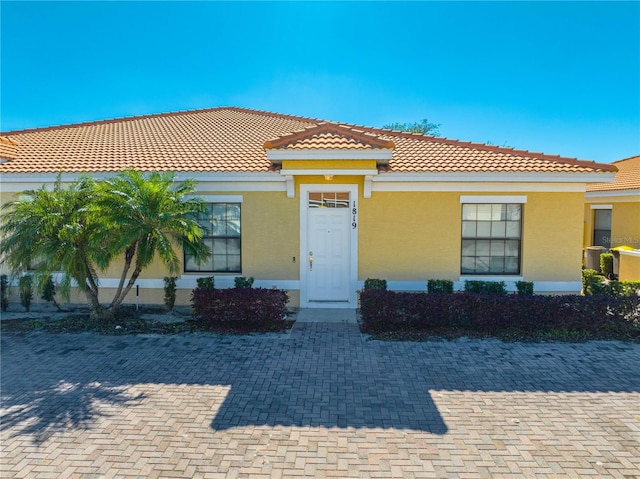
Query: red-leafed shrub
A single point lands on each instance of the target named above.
(385, 311)
(256, 309)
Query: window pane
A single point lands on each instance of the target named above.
(468, 229)
(497, 248)
(468, 265)
(484, 212)
(498, 229)
(511, 266)
(514, 212)
(315, 200)
(513, 229)
(602, 238)
(219, 246)
(497, 265)
(233, 212)
(602, 220)
(498, 212)
(342, 200)
(233, 247)
(233, 228)
(482, 264)
(469, 212)
(219, 211)
(468, 247)
(220, 262)
(512, 248)
(484, 229)
(233, 263)
(483, 247)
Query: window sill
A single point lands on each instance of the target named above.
(490, 277)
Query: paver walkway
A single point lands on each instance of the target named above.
(321, 401)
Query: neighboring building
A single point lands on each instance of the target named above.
(612, 215)
(317, 207)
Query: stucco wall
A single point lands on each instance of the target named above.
(417, 236)
(629, 266)
(403, 236)
(625, 220)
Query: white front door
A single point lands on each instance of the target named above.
(328, 254)
(328, 240)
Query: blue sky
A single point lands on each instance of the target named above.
(556, 77)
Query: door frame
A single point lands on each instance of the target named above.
(305, 189)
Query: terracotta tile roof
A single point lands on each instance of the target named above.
(8, 148)
(230, 139)
(627, 177)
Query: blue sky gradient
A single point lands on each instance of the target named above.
(555, 77)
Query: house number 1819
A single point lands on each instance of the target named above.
(354, 211)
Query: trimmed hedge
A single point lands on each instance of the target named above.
(524, 287)
(384, 311)
(439, 286)
(595, 284)
(241, 308)
(485, 287)
(375, 283)
(243, 282)
(606, 265)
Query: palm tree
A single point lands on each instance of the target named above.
(85, 227)
(51, 231)
(149, 216)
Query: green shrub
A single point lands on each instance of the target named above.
(631, 288)
(606, 265)
(206, 283)
(170, 292)
(485, 287)
(524, 287)
(4, 296)
(242, 282)
(591, 282)
(25, 288)
(374, 283)
(617, 288)
(439, 286)
(49, 292)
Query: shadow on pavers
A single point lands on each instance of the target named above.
(323, 374)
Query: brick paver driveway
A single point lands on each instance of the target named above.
(320, 402)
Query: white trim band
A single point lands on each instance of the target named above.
(479, 199)
(334, 172)
(379, 154)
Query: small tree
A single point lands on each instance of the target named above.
(49, 292)
(170, 292)
(25, 288)
(4, 293)
(56, 231)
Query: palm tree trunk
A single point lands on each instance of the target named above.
(128, 257)
(97, 311)
(118, 299)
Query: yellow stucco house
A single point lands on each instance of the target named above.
(316, 207)
(612, 216)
